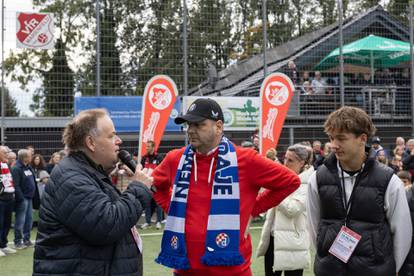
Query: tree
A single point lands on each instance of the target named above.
(10, 105)
(280, 29)
(299, 10)
(399, 8)
(248, 37)
(110, 64)
(150, 36)
(58, 85)
(54, 98)
(366, 4)
(329, 11)
(210, 39)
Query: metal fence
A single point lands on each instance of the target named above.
(111, 47)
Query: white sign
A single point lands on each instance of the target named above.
(240, 113)
(35, 30)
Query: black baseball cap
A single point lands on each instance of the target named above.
(200, 110)
(375, 140)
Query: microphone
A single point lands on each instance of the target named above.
(126, 158)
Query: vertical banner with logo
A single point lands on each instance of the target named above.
(276, 93)
(35, 30)
(159, 97)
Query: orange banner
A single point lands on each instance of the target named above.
(276, 94)
(159, 97)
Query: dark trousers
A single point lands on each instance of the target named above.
(268, 263)
(149, 210)
(6, 210)
(24, 221)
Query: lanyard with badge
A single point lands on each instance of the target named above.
(347, 240)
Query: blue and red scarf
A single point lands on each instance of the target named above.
(223, 229)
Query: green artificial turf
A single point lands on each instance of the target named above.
(21, 263)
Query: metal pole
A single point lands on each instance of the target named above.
(412, 68)
(264, 13)
(341, 55)
(291, 136)
(3, 96)
(185, 53)
(98, 49)
(371, 57)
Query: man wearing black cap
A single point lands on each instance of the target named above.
(376, 144)
(211, 190)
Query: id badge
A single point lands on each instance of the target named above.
(137, 238)
(345, 243)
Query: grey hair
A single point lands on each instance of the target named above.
(22, 154)
(304, 153)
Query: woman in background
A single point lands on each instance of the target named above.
(54, 160)
(38, 164)
(285, 241)
(272, 155)
(327, 149)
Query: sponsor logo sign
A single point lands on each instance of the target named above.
(240, 113)
(35, 30)
(159, 98)
(276, 94)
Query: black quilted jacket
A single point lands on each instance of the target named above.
(85, 223)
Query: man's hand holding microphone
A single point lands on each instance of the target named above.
(136, 173)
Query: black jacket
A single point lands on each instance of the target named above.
(408, 163)
(374, 252)
(85, 223)
(24, 183)
(151, 161)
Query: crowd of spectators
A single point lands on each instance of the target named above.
(387, 89)
(25, 175)
(399, 157)
(30, 172)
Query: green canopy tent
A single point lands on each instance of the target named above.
(371, 51)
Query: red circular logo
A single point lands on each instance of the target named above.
(277, 93)
(160, 96)
(42, 38)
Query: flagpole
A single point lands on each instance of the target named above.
(264, 28)
(185, 49)
(372, 67)
(98, 48)
(3, 96)
(341, 55)
(412, 67)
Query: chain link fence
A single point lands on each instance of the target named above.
(209, 47)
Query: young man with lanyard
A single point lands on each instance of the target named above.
(357, 208)
(211, 190)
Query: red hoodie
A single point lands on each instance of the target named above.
(255, 172)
